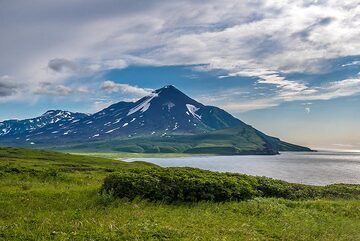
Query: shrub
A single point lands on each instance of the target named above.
(193, 185)
(177, 184)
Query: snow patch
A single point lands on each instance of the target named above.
(192, 109)
(117, 121)
(176, 126)
(169, 105)
(112, 130)
(143, 106)
(125, 124)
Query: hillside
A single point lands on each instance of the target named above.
(240, 140)
(53, 196)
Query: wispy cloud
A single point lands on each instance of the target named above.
(351, 63)
(330, 90)
(263, 39)
(286, 91)
(249, 105)
(343, 145)
(238, 100)
(59, 90)
(111, 86)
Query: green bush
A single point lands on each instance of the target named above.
(192, 185)
(177, 184)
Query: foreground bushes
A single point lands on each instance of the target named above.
(191, 185)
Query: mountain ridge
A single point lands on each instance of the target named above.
(165, 113)
(15, 126)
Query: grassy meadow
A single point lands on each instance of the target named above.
(54, 196)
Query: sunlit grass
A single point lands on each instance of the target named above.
(47, 196)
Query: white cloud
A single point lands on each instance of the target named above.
(351, 63)
(111, 86)
(241, 101)
(263, 39)
(331, 90)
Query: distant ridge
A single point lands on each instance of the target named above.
(17, 128)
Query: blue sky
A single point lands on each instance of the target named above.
(289, 68)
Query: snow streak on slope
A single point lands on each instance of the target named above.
(192, 109)
(143, 106)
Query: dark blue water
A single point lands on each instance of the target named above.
(316, 168)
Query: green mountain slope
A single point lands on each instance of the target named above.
(238, 140)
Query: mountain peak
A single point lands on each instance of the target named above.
(167, 88)
(171, 93)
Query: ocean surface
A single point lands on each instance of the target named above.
(315, 168)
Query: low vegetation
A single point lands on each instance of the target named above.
(193, 185)
(53, 196)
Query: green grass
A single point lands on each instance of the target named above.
(54, 196)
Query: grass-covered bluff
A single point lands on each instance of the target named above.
(53, 196)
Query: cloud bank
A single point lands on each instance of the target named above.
(46, 42)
